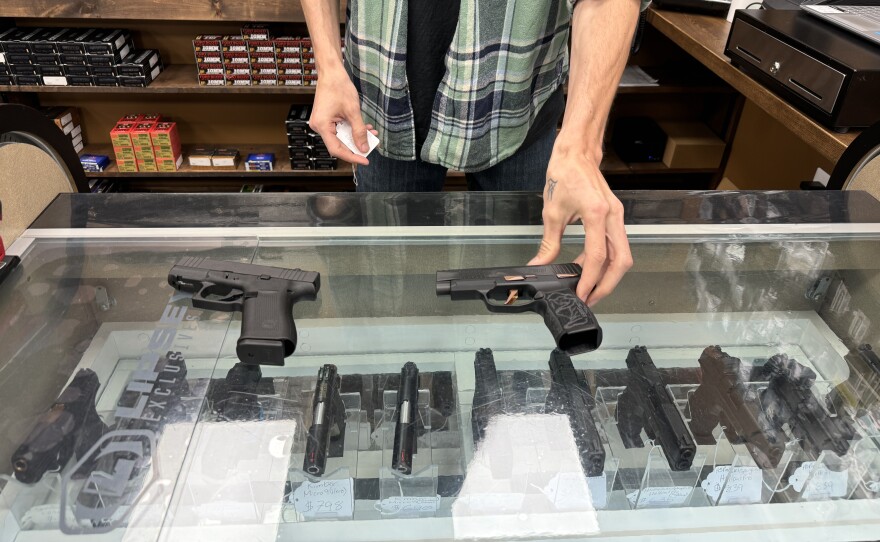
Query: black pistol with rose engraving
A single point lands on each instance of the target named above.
(548, 290)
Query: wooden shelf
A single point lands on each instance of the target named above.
(268, 11)
(704, 37)
(183, 79)
(176, 79)
(282, 167)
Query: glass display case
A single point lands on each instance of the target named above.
(736, 391)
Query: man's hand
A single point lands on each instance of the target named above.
(575, 190)
(336, 99)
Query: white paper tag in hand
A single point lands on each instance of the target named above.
(343, 132)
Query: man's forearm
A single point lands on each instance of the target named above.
(322, 18)
(602, 32)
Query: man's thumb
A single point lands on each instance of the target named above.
(359, 133)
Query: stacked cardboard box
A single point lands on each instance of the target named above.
(306, 148)
(255, 58)
(146, 143)
(75, 57)
(68, 120)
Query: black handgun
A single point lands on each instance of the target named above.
(545, 289)
(407, 416)
(645, 404)
(722, 396)
(236, 397)
(789, 400)
(442, 393)
(70, 427)
(570, 395)
(328, 421)
(488, 397)
(264, 295)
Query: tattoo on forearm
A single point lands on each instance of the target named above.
(551, 186)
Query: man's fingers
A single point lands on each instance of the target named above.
(550, 243)
(337, 148)
(620, 258)
(358, 130)
(595, 253)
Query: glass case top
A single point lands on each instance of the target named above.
(736, 389)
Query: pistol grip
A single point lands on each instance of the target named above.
(571, 322)
(268, 334)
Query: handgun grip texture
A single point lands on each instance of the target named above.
(268, 334)
(571, 322)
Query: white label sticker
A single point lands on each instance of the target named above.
(153, 60)
(823, 483)
(77, 140)
(76, 131)
(156, 71)
(55, 81)
(119, 41)
(223, 161)
(324, 499)
(409, 505)
(78, 148)
(66, 118)
(2, 58)
(124, 52)
(744, 486)
(660, 497)
(343, 132)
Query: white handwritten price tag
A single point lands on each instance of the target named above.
(409, 505)
(660, 497)
(325, 499)
(823, 484)
(744, 486)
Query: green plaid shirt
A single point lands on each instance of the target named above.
(506, 59)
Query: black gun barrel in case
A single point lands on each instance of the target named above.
(827, 72)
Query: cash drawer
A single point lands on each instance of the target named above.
(808, 77)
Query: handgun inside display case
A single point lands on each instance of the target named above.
(735, 388)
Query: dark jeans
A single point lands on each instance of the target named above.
(525, 170)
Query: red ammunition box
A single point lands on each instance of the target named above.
(207, 43)
(126, 166)
(211, 80)
(310, 80)
(147, 164)
(309, 69)
(131, 117)
(308, 58)
(234, 44)
(306, 45)
(166, 140)
(262, 58)
(169, 164)
(125, 154)
(238, 80)
(293, 69)
(151, 117)
(120, 135)
(287, 45)
(236, 58)
(238, 69)
(264, 80)
(290, 80)
(256, 31)
(261, 46)
(264, 69)
(287, 58)
(140, 137)
(209, 57)
(211, 69)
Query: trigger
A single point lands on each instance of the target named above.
(512, 296)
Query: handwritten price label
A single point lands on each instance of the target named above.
(660, 497)
(823, 482)
(325, 499)
(744, 486)
(409, 505)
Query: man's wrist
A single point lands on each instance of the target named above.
(569, 144)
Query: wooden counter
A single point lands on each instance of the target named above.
(704, 37)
